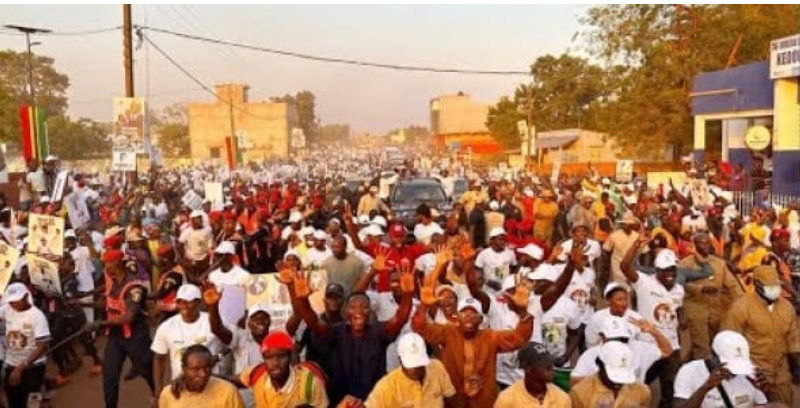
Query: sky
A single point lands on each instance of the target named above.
(373, 100)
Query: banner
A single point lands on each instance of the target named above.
(129, 119)
(214, 193)
(44, 274)
(33, 123)
(8, 259)
(45, 235)
(123, 159)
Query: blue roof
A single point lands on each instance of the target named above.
(742, 88)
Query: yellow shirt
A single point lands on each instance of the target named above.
(218, 393)
(516, 396)
(591, 393)
(293, 393)
(395, 390)
(751, 258)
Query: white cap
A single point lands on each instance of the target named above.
(45, 199)
(379, 221)
(306, 231)
(615, 327)
(70, 233)
(733, 351)
(364, 219)
(494, 206)
(51, 158)
(320, 235)
(665, 259)
(436, 229)
(496, 232)
(445, 287)
(196, 213)
(618, 360)
(614, 286)
(606, 180)
(532, 250)
(528, 192)
(509, 282)
(15, 292)
(295, 217)
(470, 302)
(188, 292)
(412, 352)
(373, 230)
(258, 307)
(225, 247)
(545, 272)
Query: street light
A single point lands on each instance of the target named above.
(28, 31)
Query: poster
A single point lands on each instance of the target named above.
(192, 200)
(59, 186)
(624, 171)
(700, 193)
(76, 210)
(656, 180)
(44, 274)
(317, 282)
(232, 304)
(266, 290)
(123, 159)
(45, 235)
(214, 193)
(129, 118)
(8, 259)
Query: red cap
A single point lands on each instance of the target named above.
(277, 340)
(398, 230)
(779, 233)
(114, 241)
(250, 201)
(214, 216)
(164, 249)
(113, 255)
(229, 216)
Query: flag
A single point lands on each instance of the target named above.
(230, 150)
(35, 144)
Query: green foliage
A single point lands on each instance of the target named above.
(76, 140)
(304, 103)
(502, 122)
(171, 125)
(334, 132)
(50, 86)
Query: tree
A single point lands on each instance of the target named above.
(50, 86)
(417, 134)
(304, 103)
(334, 132)
(655, 51)
(75, 140)
(171, 125)
(502, 122)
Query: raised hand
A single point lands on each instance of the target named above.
(286, 273)
(302, 289)
(443, 255)
(407, 283)
(576, 255)
(381, 255)
(211, 295)
(521, 293)
(643, 325)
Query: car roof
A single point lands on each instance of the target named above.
(420, 180)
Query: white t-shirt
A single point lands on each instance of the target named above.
(246, 350)
(740, 391)
(423, 233)
(580, 291)
(23, 330)
(316, 257)
(36, 180)
(495, 265)
(644, 356)
(659, 306)
(385, 308)
(234, 277)
(174, 336)
(595, 326)
(83, 268)
(198, 243)
(550, 327)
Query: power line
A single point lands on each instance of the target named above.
(333, 59)
(68, 33)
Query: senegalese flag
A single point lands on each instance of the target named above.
(35, 144)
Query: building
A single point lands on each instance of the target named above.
(262, 128)
(575, 145)
(459, 124)
(758, 106)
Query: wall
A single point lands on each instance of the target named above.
(786, 138)
(589, 146)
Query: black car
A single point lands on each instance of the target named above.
(408, 194)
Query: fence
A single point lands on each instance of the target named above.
(746, 200)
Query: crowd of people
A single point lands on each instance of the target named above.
(581, 291)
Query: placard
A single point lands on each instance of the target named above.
(232, 303)
(123, 160)
(624, 171)
(700, 193)
(45, 235)
(8, 259)
(556, 173)
(317, 282)
(265, 289)
(76, 210)
(192, 200)
(59, 186)
(214, 193)
(44, 274)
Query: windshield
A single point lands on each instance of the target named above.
(418, 193)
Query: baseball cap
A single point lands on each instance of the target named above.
(613, 287)
(295, 217)
(615, 327)
(532, 250)
(257, 308)
(544, 272)
(397, 230)
(436, 229)
(306, 231)
(225, 247)
(442, 288)
(618, 360)
(70, 233)
(113, 255)
(334, 288)
(363, 220)
(188, 292)
(320, 235)
(496, 232)
(45, 199)
(196, 213)
(470, 303)
(373, 230)
(379, 221)
(665, 259)
(766, 275)
(15, 292)
(412, 352)
(51, 158)
(629, 218)
(534, 355)
(494, 206)
(277, 340)
(733, 351)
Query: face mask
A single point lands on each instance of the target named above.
(772, 292)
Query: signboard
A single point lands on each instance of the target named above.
(757, 138)
(8, 259)
(59, 185)
(624, 171)
(214, 193)
(784, 57)
(123, 159)
(129, 118)
(44, 274)
(45, 235)
(556, 172)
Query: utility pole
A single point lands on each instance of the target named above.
(28, 31)
(127, 44)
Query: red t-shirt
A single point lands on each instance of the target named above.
(393, 259)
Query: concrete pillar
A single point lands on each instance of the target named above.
(733, 131)
(786, 138)
(699, 138)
